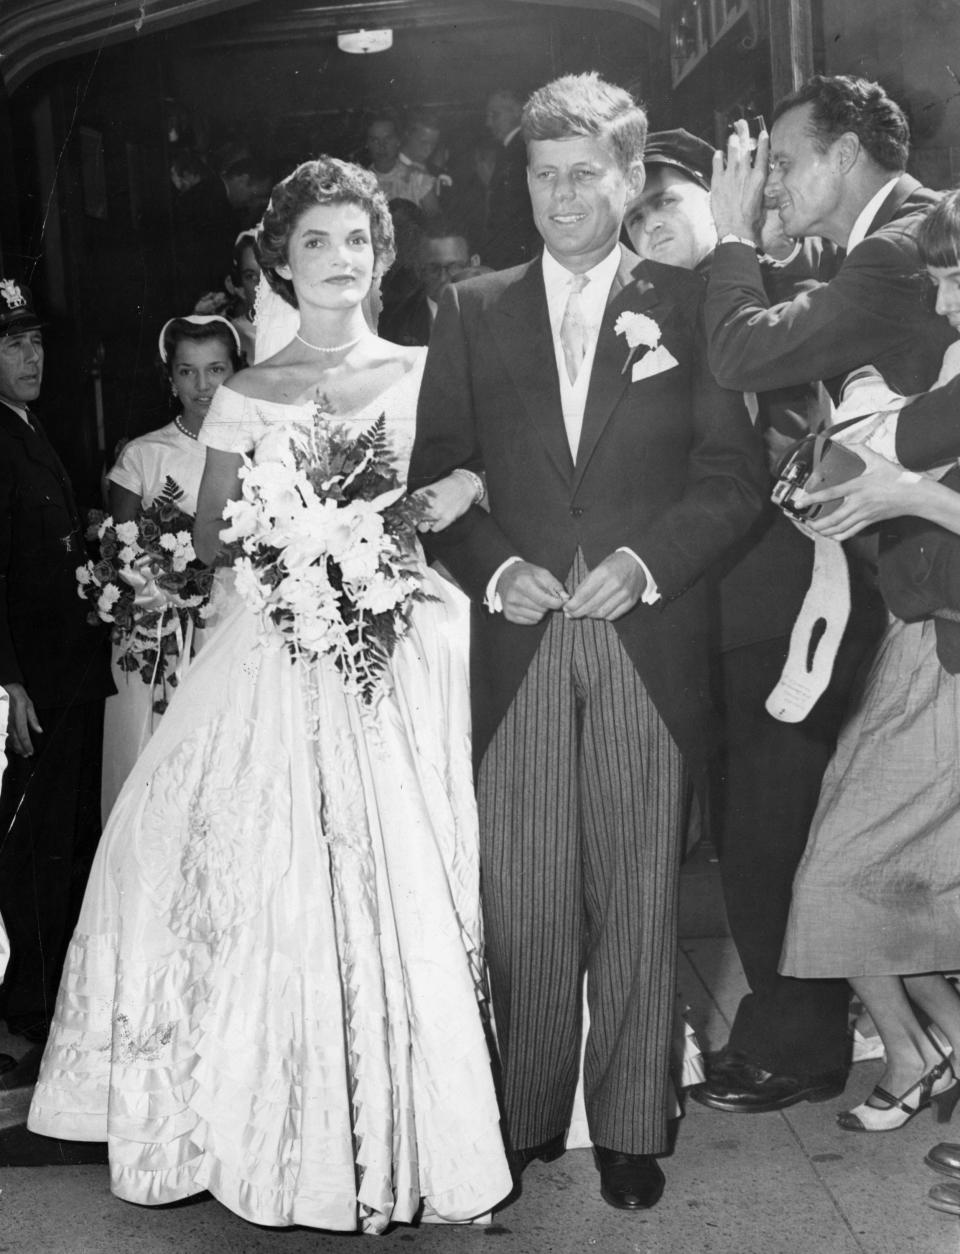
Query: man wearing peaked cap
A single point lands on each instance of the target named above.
(671, 217)
(681, 150)
(54, 667)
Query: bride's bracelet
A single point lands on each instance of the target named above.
(479, 487)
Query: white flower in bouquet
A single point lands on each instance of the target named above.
(381, 593)
(362, 531)
(276, 446)
(107, 600)
(244, 518)
(360, 564)
(323, 542)
(127, 532)
(280, 486)
(248, 585)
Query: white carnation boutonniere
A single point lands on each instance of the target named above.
(639, 330)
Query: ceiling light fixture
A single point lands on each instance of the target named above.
(362, 41)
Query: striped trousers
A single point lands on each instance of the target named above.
(583, 800)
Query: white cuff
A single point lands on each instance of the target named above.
(491, 597)
(651, 593)
(777, 263)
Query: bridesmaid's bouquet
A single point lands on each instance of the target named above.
(150, 587)
(322, 542)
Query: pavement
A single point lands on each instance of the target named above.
(785, 1183)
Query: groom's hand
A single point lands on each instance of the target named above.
(527, 592)
(610, 590)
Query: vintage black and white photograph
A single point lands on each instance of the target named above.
(480, 626)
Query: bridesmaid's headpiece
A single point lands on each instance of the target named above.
(198, 320)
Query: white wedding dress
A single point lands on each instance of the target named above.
(273, 989)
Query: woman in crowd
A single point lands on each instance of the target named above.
(198, 353)
(877, 896)
(273, 989)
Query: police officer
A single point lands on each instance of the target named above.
(54, 667)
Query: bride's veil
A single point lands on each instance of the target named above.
(275, 321)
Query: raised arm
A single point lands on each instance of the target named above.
(827, 330)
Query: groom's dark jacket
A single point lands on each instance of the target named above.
(668, 465)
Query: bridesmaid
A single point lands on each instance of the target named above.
(198, 353)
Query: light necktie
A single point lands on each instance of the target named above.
(573, 330)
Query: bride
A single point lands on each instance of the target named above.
(272, 992)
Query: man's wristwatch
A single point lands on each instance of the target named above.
(731, 238)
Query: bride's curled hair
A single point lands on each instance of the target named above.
(325, 181)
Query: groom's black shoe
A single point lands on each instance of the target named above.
(628, 1181)
(547, 1151)
(740, 1087)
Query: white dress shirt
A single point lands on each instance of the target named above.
(593, 302)
(868, 213)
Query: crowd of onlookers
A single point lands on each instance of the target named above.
(458, 208)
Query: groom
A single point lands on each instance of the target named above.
(616, 472)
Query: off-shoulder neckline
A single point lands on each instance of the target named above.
(410, 378)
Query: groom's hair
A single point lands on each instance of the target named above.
(584, 104)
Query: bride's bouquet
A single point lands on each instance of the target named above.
(150, 587)
(322, 544)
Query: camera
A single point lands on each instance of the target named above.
(756, 127)
(814, 462)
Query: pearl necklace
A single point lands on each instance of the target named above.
(181, 428)
(332, 348)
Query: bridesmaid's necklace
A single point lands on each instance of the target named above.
(332, 348)
(185, 430)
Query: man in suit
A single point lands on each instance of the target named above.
(616, 473)
(837, 151)
(444, 256)
(510, 236)
(768, 774)
(55, 669)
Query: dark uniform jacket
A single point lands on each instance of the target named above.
(46, 643)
